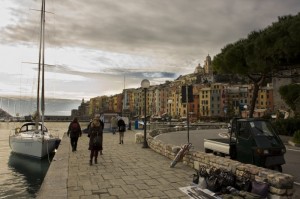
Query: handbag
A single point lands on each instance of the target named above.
(260, 188)
(203, 171)
(244, 184)
(226, 178)
(196, 178)
(212, 183)
(96, 141)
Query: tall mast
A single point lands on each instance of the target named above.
(43, 68)
(41, 63)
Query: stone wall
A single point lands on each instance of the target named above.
(280, 184)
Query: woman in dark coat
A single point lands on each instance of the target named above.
(122, 129)
(74, 132)
(95, 130)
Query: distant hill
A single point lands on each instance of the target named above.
(4, 114)
(27, 106)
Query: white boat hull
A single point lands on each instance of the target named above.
(36, 146)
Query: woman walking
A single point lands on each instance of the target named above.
(96, 138)
(122, 129)
(74, 132)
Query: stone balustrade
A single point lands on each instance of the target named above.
(280, 184)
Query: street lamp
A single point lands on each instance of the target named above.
(145, 85)
(170, 104)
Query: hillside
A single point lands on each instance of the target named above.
(4, 114)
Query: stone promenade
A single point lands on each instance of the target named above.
(123, 171)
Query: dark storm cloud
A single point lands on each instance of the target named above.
(131, 73)
(174, 28)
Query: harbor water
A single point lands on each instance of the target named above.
(21, 176)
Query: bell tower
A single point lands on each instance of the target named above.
(207, 65)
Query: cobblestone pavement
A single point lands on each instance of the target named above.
(123, 171)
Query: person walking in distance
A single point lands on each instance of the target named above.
(122, 129)
(114, 124)
(102, 125)
(96, 137)
(74, 132)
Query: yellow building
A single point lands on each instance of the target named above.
(205, 102)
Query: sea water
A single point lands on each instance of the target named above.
(21, 176)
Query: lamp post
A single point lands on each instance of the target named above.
(145, 85)
(170, 104)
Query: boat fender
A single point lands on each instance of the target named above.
(17, 130)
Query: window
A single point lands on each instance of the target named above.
(244, 131)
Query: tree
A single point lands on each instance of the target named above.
(290, 93)
(263, 54)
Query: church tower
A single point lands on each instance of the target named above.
(207, 65)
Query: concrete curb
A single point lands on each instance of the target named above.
(290, 142)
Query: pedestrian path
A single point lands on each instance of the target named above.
(123, 171)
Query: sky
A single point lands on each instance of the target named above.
(100, 47)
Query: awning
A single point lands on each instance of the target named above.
(260, 110)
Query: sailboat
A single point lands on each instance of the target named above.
(33, 138)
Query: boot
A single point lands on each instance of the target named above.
(91, 162)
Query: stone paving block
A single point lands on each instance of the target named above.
(91, 187)
(90, 197)
(108, 176)
(75, 193)
(142, 194)
(162, 181)
(141, 186)
(116, 191)
(151, 182)
(116, 182)
(174, 193)
(143, 177)
(129, 188)
(164, 187)
(156, 192)
(105, 184)
(108, 197)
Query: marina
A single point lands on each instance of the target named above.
(21, 176)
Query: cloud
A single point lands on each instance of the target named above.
(158, 27)
(104, 40)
